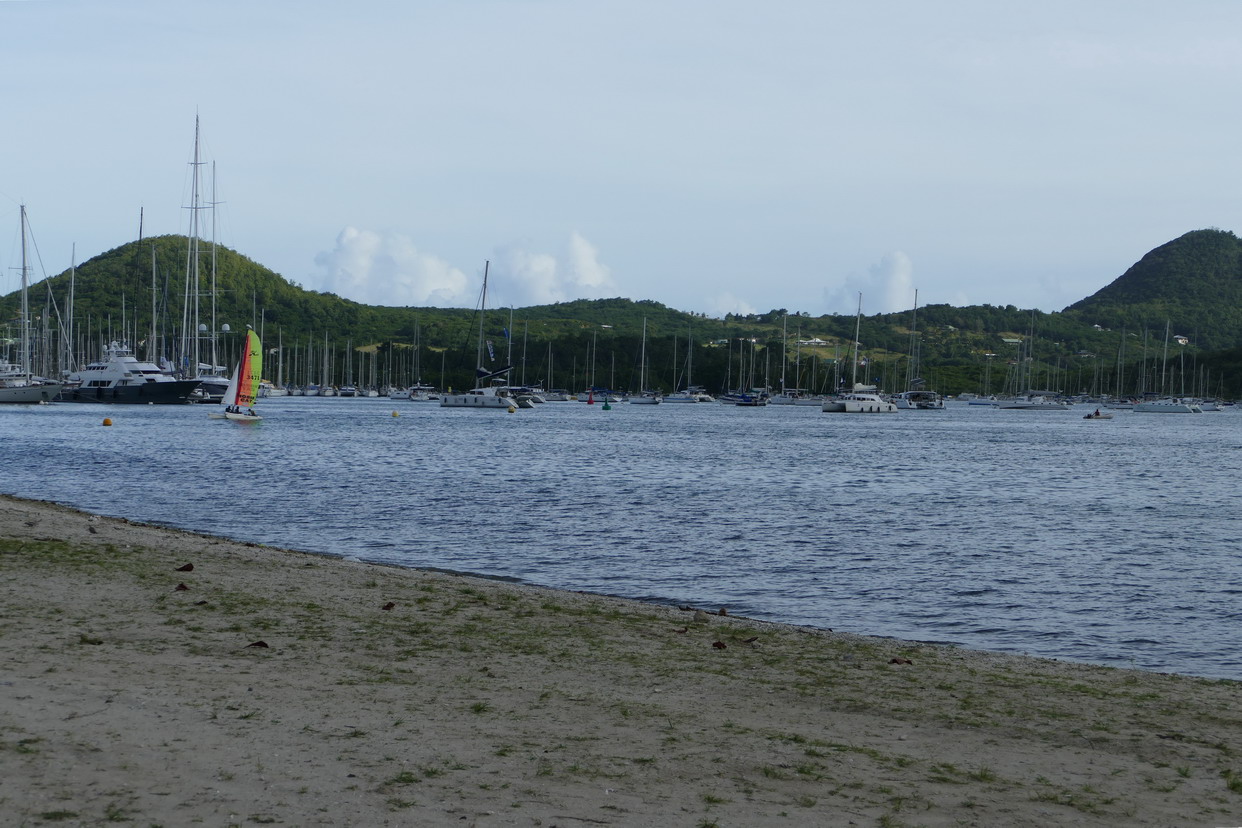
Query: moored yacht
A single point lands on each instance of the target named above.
(491, 396)
(919, 401)
(120, 378)
(17, 383)
(862, 400)
(18, 386)
(692, 394)
(1168, 405)
(497, 393)
(1034, 401)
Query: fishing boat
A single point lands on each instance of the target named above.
(496, 393)
(243, 391)
(17, 383)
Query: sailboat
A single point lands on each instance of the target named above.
(916, 397)
(691, 393)
(644, 397)
(243, 390)
(483, 396)
(17, 383)
(863, 399)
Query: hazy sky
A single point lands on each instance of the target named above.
(712, 155)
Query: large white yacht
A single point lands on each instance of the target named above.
(120, 378)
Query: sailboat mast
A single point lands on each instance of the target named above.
(24, 322)
(70, 362)
(784, 350)
(642, 361)
(194, 280)
(215, 359)
(857, 331)
(152, 347)
(912, 367)
(482, 312)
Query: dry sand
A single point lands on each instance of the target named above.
(134, 692)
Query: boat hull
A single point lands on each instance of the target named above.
(478, 401)
(29, 394)
(234, 416)
(173, 392)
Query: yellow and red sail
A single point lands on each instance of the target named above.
(249, 371)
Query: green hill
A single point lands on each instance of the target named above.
(1194, 282)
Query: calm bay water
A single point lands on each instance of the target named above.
(1111, 542)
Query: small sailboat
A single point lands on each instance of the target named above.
(243, 391)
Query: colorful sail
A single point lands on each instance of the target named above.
(249, 371)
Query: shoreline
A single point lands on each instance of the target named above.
(387, 695)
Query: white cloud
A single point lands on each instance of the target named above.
(726, 302)
(386, 268)
(532, 278)
(887, 287)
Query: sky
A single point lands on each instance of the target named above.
(716, 156)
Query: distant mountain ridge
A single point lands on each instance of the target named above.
(1193, 282)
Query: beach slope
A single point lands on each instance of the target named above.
(159, 677)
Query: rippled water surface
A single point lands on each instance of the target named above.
(1113, 542)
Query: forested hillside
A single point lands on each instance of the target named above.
(1192, 286)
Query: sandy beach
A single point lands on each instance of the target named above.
(160, 677)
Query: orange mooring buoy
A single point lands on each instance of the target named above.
(107, 421)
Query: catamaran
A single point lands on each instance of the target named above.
(243, 391)
(494, 395)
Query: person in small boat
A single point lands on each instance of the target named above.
(1097, 413)
(250, 411)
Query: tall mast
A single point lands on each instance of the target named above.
(190, 326)
(24, 322)
(642, 361)
(857, 331)
(70, 362)
(482, 311)
(784, 348)
(912, 367)
(214, 357)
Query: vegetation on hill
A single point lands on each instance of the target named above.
(1113, 341)
(1194, 283)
